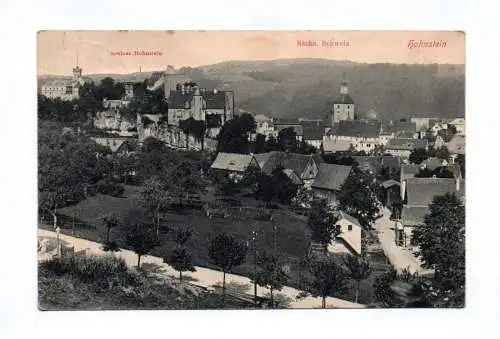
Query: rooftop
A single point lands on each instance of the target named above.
(406, 144)
(331, 177)
(232, 162)
(421, 191)
(356, 128)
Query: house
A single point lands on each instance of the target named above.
(409, 171)
(392, 192)
(304, 166)
(390, 162)
(418, 194)
(421, 124)
(116, 145)
(404, 147)
(401, 129)
(295, 124)
(438, 142)
(437, 125)
(372, 164)
(188, 100)
(363, 135)
(233, 163)
(114, 104)
(313, 135)
(457, 144)
(329, 180)
(335, 145)
(264, 125)
(349, 239)
(432, 163)
(459, 124)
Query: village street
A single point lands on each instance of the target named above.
(203, 277)
(399, 257)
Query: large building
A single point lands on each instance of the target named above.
(343, 107)
(64, 89)
(188, 100)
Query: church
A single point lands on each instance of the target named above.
(343, 107)
(66, 90)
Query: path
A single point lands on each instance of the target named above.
(204, 277)
(398, 256)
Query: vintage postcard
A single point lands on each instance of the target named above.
(251, 169)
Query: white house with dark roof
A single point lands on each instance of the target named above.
(233, 162)
(349, 239)
(361, 134)
(403, 147)
(329, 180)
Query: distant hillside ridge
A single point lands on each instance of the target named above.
(306, 87)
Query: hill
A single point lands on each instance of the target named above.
(306, 87)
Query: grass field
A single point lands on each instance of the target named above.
(292, 233)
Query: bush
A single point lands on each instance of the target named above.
(111, 246)
(109, 187)
(102, 271)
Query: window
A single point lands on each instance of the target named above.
(349, 227)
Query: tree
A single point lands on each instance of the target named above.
(140, 237)
(287, 139)
(418, 155)
(359, 269)
(233, 137)
(443, 153)
(226, 252)
(110, 221)
(271, 274)
(303, 199)
(322, 221)
(180, 260)
(272, 144)
(260, 143)
(328, 277)
(441, 241)
(358, 198)
(154, 198)
(383, 292)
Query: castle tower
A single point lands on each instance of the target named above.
(171, 79)
(77, 80)
(343, 107)
(129, 90)
(198, 112)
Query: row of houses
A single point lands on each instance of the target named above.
(310, 171)
(397, 138)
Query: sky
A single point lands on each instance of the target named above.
(114, 51)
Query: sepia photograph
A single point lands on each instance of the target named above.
(195, 170)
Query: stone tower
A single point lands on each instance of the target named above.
(343, 107)
(171, 79)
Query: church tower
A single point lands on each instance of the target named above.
(343, 107)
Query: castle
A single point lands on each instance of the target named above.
(64, 89)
